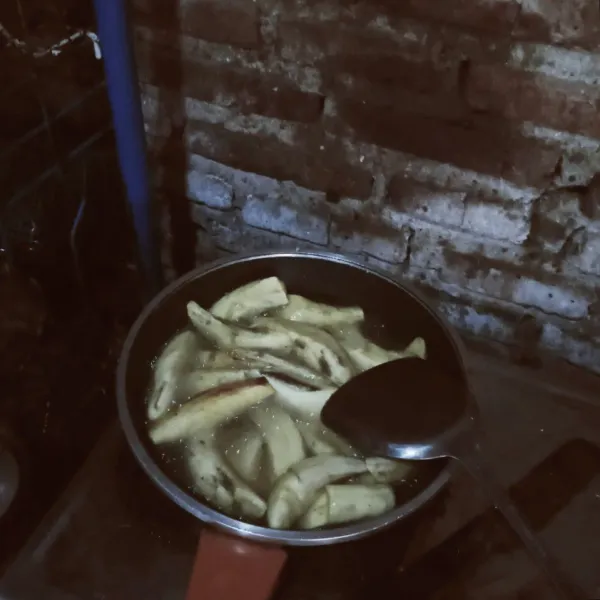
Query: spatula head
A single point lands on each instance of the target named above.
(405, 409)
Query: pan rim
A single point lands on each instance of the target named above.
(211, 516)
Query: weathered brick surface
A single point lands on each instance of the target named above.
(573, 23)
(291, 213)
(443, 142)
(311, 41)
(461, 263)
(314, 160)
(572, 345)
(241, 184)
(500, 220)
(589, 199)
(432, 245)
(360, 231)
(484, 15)
(232, 22)
(589, 259)
(338, 35)
(243, 90)
(226, 231)
(576, 22)
(389, 73)
(481, 15)
(209, 189)
(489, 146)
(414, 86)
(438, 205)
(570, 303)
(523, 96)
(556, 214)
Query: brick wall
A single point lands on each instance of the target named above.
(454, 143)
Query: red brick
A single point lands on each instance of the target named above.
(391, 79)
(545, 100)
(485, 15)
(438, 205)
(452, 42)
(490, 146)
(572, 22)
(315, 161)
(233, 22)
(419, 72)
(310, 41)
(525, 285)
(590, 199)
(366, 234)
(246, 91)
(391, 71)
(307, 41)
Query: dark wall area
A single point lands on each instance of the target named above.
(68, 287)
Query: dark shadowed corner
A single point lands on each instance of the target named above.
(171, 153)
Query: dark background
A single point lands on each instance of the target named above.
(68, 286)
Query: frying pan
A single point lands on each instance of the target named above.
(236, 559)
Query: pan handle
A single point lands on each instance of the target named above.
(230, 568)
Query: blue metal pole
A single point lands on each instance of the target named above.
(123, 92)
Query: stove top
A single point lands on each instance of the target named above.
(113, 536)
(56, 401)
